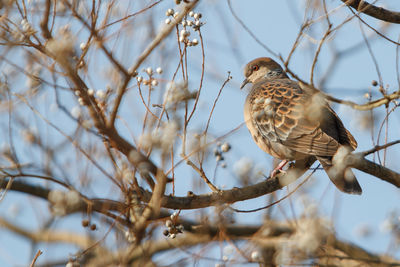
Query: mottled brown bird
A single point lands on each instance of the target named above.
(291, 121)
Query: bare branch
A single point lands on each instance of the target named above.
(374, 11)
(47, 235)
(36, 257)
(156, 41)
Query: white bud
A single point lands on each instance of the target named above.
(184, 23)
(80, 101)
(255, 256)
(168, 223)
(169, 12)
(189, 22)
(181, 39)
(191, 13)
(77, 93)
(174, 215)
(83, 46)
(225, 147)
(139, 79)
(167, 21)
(197, 23)
(229, 249)
(197, 15)
(159, 70)
(100, 94)
(26, 27)
(149, 70)
(154, 82)
(76, 112)
(195, 42)
(81, 64)
(176, 14)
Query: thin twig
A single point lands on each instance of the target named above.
(36, 257)
(203, 175)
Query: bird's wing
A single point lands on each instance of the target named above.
(286, 114)
(344, 137)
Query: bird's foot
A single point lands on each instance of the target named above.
(278, 169)
(276, 172)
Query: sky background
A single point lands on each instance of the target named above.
(228, 47)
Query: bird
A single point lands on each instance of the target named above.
(293, 122)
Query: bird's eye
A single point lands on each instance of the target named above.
(255, 67)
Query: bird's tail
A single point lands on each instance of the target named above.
(344, 180)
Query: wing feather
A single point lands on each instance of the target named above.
(283, 112)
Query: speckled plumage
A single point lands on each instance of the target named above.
(293, 122)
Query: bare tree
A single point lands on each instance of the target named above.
(108, 134)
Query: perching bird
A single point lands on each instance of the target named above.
(291, 121)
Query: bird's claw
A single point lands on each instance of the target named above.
(276, 172)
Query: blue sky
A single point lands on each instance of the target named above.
(228, 47)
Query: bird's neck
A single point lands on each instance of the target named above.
(275, 74)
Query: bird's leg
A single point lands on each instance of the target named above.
(279, 168)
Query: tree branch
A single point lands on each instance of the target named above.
(360, 163)
(156, 41)
(374, 11)
(368, 106)
(48, 236)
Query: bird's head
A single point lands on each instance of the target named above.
(262, 68)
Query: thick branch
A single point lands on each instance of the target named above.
(233, 195)
(357, 161)
(98, 205)
(368, 106)
(374, 11)
(355, 253)
(18, 186)
(45, 20)
(48, 236)
(271, 234)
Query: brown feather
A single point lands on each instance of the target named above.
(294, 122)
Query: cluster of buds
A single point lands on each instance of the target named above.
(86, 223)
(100, 96)
(84, 47)
(27, 27)
(219, 152)
(151, 80)
(173, 228)
(194, 23)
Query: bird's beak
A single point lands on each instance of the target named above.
(246, 81)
